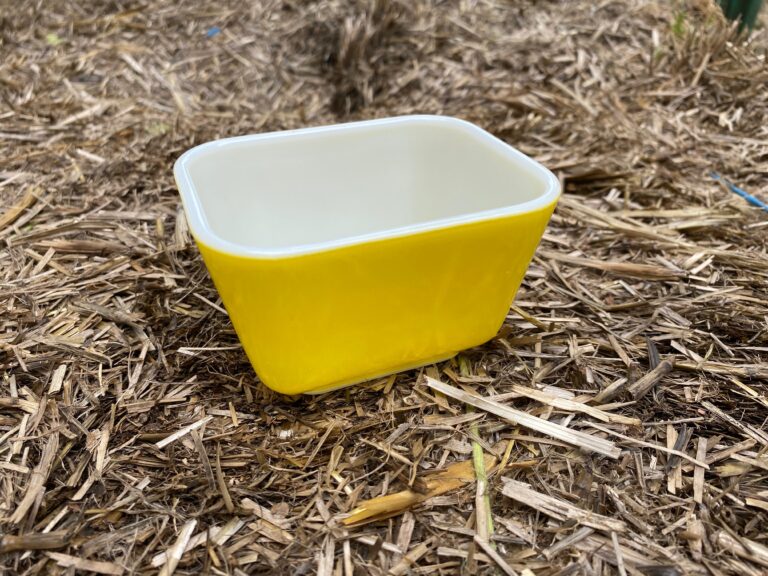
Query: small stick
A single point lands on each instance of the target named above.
(653, 353)
(658, 447)
(573, 406)
(745, 429)
(567, 542)
(619, 556)
(528, 318)
(647, 382)
(672, 437)
(557, 508)
(183, 432)
(15, 211)
(698, 471)
(411, 558)
(215, 535)
(34, 541)
(221, 483)
(175, 552)
(610, 392)
(747, 549)
(404, 535)
(731, 450)
(38, 478)
(500, 562)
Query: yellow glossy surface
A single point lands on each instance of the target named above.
(327, 319)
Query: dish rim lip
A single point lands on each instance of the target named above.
(204, 234)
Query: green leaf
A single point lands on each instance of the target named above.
(158, 128)
(678, 26)
(53, 39)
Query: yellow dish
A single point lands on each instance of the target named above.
(349, 252)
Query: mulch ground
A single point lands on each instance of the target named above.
(134, 435)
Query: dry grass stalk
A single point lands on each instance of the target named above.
(216, 536)
(573, 406)
(493, 555)
(37, 541)
(667, 450)
(183, 432)
(12, 213)
(748, 549)
(37, 479)
(411, 558)
(610, 392)
(567, 542)
(698, 473)
(747, 430)
(174, 553)
(573, 437)
(647, 382)
(643, 271)
(619, 557)
(83, 565)
(557, 508)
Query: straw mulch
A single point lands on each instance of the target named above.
(134, 436)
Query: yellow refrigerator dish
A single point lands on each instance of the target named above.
(345, 253)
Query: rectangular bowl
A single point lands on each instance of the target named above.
(344, 253)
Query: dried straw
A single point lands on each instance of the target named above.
(134, 435)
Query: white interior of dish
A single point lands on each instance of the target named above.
(300, 191)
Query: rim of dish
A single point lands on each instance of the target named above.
(202, 231)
